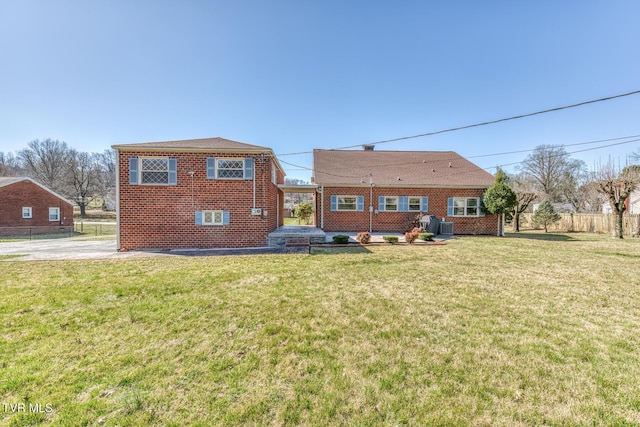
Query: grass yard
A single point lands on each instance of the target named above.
(517, 331)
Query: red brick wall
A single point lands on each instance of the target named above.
(15, 196)
(397, 221)
(163, 216)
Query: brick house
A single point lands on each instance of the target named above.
(380, 191)
(28, 207)
(199, 193)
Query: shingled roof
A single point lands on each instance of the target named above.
(203, 144)
(397, 168)
(10, 180)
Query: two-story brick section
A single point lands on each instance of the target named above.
(28, 207)
(199, 193)
(380, 191)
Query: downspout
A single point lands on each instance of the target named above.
(255, 166)
(370, 205)
(321, 191)
(117, 200)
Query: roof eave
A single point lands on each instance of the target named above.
(129, 148)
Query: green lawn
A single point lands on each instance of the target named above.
(528, 330)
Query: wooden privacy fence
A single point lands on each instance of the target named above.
(590, 223)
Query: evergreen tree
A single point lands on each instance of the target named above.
(546, 215)
(500, 198)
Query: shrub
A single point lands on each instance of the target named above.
(340, 239)
(410, 237)
(304, 212)
(363, 237)
(425, 236)
(390, 239)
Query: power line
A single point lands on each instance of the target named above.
(520, 116)
(300, 167)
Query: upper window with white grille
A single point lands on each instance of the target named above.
(154, 171)
(230, 168)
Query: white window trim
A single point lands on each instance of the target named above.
(57, 211)
(27, 212)
(274, 174)
(419, 203)
(397, 199)
(466, 207)
(355, 204)
(235, 159)
(141, 170)
(213, 215)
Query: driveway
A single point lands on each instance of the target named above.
(69, 248)
(64, 249)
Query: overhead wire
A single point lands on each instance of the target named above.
(426, 161)
(490, 122)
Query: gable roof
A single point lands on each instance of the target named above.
(9, 180)
(397, 169)
(202, 145)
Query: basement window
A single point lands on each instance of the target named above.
(212, 218)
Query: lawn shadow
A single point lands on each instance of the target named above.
(338, 250)
(550, 237)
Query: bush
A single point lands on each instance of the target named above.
(363, 237)
(390, 239)
(410, 237)
(304, 211)
(341, 239)
(427, 237)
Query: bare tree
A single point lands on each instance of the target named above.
(525, 194)
(107, 181)
(46, 161)
(9, 164)
(83, 176)
(617, 187)
(592, 197)
(553, 171)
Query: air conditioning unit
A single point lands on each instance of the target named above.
(256, 211)
(446, 228)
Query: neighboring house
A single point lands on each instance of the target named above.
(199, 193)
(381, 191)
(633, 204)
(28, 207)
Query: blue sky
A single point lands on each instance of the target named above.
(297, 75)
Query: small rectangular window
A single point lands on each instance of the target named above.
(54, 214)
(347, 203)
(391, 204)
(414, 204)
(472, 207)
(27, 212)
(212, 218)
